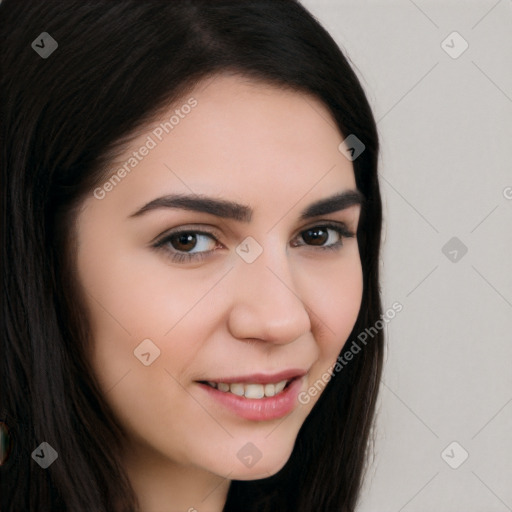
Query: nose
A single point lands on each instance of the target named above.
(266, 304)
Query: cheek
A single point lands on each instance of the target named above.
(136, 291)
(335, 301)
(133, 296)
(133, 303)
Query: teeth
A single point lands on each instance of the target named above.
(280, 386)
(270, 390)
(254, 391)
(237, 389)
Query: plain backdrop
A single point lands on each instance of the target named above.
(443, 105)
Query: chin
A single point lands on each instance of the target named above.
(262, 469)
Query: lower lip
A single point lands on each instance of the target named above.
(258, 409)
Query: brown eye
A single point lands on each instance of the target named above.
(315, 236)
(190, 245)
(325, 236)
(183, 241)
(186, 246)
(189, 241)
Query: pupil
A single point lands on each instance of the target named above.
(318, 236)
(185, 239)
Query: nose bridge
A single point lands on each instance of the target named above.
(266, 301)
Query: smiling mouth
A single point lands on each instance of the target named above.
(251, 390)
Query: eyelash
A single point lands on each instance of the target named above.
(183, 257)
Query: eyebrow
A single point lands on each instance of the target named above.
(243, 213)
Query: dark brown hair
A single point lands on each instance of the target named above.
(117, 65)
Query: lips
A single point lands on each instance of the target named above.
(250, 407)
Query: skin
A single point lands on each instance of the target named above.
(293, 307)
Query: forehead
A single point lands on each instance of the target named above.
(240, 139)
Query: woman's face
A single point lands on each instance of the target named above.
(243, 295)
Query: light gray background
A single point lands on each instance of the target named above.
(446, 162)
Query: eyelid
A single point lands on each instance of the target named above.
(325, 223)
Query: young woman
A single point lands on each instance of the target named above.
(190, 247)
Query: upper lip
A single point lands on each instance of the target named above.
(261, 378)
